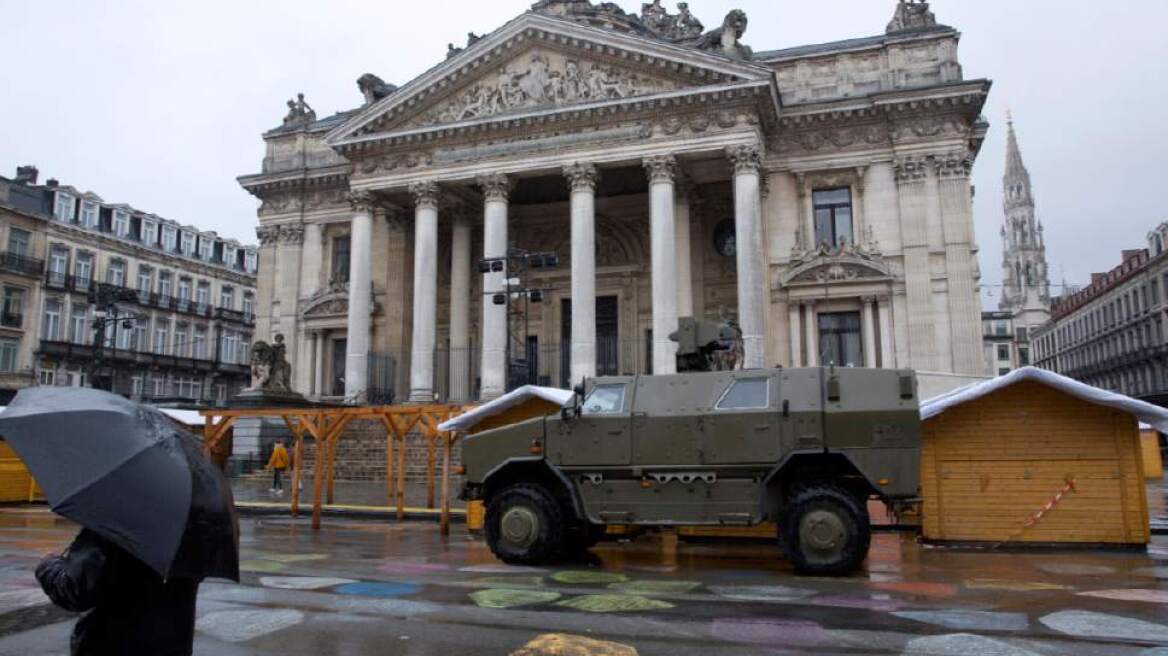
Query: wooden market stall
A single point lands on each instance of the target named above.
(1153, 454)
(1035, 458)
(16, 484)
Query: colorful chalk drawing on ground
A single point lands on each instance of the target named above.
(1087, 624)
(509, 581)
(771, 631)
(561, 644)
(969, 620)
(876, 603)
(302, 582)
(1076, 569)
(377, 589)
(500, 568)
(504, 598)
(1143, 595)
(614, 603)
(917, 589)
(243, 625)
(655, 587)
(588, 577)
(963, 644)
(262, 566)
(1011, 586)
(760, 592)
(407, 568)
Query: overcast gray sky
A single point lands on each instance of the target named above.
(161, 104)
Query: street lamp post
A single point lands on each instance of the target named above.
(105, 298)
(516, 268)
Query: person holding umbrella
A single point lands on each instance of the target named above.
(158, 518)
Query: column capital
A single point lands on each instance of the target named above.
(953, 165)
(268, 235)
(911, 168)
(661, 168)
(582, 176)
(425, 194)
(745, 159)
(361, 201)
(496, 186)
(868, 300)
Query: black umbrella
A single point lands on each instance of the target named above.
(128, 473)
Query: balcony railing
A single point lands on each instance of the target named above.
(22, 264)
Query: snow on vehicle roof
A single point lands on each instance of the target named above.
(500, 405)
(1147, 413)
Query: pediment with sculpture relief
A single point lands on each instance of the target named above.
(834, 266)
(331, 302)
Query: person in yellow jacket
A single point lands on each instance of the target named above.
(278, 463)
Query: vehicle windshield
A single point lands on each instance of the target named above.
(605, 399)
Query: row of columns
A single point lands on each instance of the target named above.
(804, 327)
(672, 286)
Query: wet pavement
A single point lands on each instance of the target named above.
(382, 588)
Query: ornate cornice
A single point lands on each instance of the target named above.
(911, 168)
(361, 201)
(661, 168)
(425, 194)
(496, 186)
(582, 176)
(954, 165)
(745, 159)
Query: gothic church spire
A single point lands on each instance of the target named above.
(1024, 271)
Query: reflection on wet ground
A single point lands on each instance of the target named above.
(385, 588)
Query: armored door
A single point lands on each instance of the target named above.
(743, 426)
(601, 435)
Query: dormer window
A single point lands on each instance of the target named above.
(121, 223)
(90, 218)
(63, 210)
(250, 261)
(206, 248)
(170, 238)
(149, 233)
(188, 244)
(230, 254)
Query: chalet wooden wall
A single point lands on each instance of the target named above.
(991, 464)
(14, 477)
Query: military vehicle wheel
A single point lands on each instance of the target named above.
(524, 525)
(825, 531)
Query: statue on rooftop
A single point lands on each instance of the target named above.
(727, 40)
(374, 88)
(911, 15)
(299, 112)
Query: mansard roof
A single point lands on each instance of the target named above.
(699, 67)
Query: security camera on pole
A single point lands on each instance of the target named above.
(516, 268)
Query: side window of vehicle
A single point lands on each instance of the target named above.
(746, 394)
(605, 400)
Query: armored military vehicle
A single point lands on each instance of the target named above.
(805, 448)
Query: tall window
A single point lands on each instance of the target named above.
(170, 238)
(116, 273)
(182, 333)
(121, 223)
(8, 351)
(51, 328)
(250, 261)
(188, 243)
(83, 269)
(230, 350)
(206, 248)
(149, 233)
(58, 265)
(341, 250)
(184, 289)
(19, 242)
(145, 280)
(141, 336)
(1003, 352)
(164, 283)
(13, 312)
(199, 344)
(203, 294)
(227, 298)
(78, 323)
(161, 336)
(89, 215)
(840, 341)
(63, 209)
(230, 255)
(124, 336)
(833, 217)
(248, 303)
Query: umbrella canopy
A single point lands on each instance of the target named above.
(126, 472)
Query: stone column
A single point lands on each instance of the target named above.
(425, 326)
(496, 191)
(310, 259)
(883, 307)
(321, 340)
(869, 329)
(911, 174)
(811, 333)
(748, 230)
(681, 232)
(663, 248)
(793, 324)
(460, 309)
(956, 199)
(360, 299)
(583, 178)
(807, 207)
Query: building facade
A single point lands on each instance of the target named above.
(1025, 294)
(186, 298)
(1111, 333)
(818, 196)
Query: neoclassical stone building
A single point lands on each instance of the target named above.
(818, 195)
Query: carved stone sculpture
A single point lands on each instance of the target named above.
(727, 40)
(299, 112)
(270, 371)
(374, 88)
(912, 15)
(680, 27)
